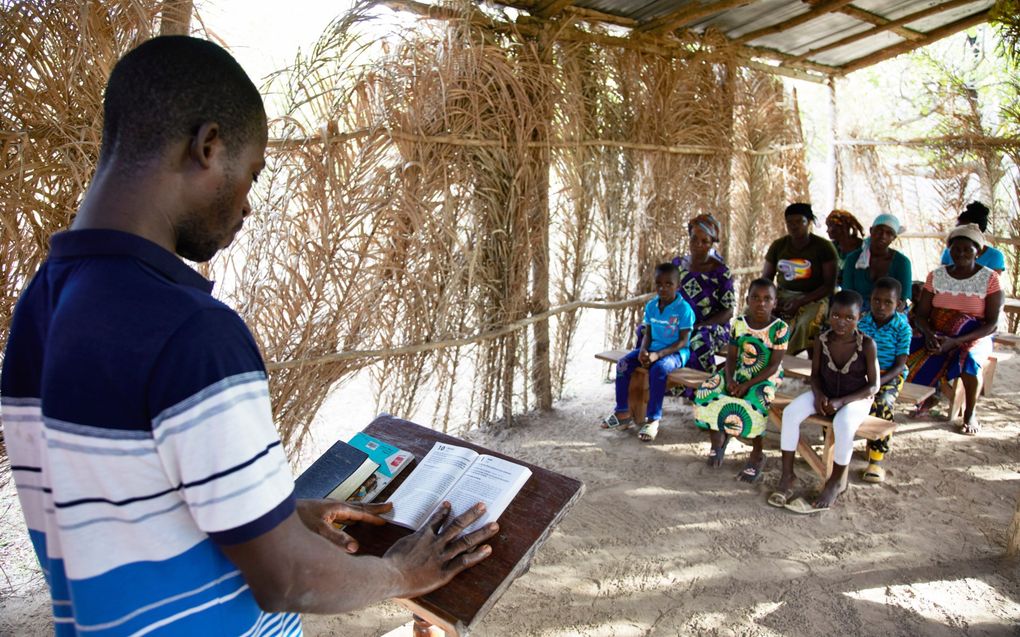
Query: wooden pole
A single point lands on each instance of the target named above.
(832, 159)
(540, 159)
(1013, 534)
(175, 18)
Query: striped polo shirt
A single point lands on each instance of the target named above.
(137, 421)
(891, 340)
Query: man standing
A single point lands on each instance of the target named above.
(135, 406)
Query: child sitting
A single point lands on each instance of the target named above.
(735, 401)
(844, 378)
(891, 332)
(668, 321)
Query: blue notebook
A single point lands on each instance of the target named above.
(340, 468)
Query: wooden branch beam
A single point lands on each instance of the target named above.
(549, 8)
(175, 17)
(818, 10)
(591, 15)
(930, 37)
(689, 14)
(785, 72)
(888, 26)
(786, 59)
(637, 42)
(877, 20)
(960, 141)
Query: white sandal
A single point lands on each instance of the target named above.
(649, 431)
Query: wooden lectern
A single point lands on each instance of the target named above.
(523, 528)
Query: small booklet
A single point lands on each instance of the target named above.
(461, 476)
(336, 474)
(391, 460)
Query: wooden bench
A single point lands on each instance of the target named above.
(637, 395)
(911, 394)
(871, 429)
(1007, 340)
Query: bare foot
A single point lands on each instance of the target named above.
(970, 426)
(828, 495)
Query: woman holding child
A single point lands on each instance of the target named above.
(707, 286)
(806, 264)
(736, 400)
(956, 315)
(844, 379)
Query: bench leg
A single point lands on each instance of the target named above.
(816, 463)
(637, 397)
(957, 400)
(988, 376)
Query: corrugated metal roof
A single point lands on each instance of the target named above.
(813, 42)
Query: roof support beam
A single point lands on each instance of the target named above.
(818, 10)
(903, 47)
(689, 14)
(175, 18)
(907, 19)
(549, 8)
(878, 21)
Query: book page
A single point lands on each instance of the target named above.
(428, 484)
(491, 480)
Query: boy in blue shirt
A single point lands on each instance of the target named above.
(891, 332)
(664, 347)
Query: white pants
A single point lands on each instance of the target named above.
(844, 424)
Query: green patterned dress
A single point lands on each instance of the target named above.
(745, 417)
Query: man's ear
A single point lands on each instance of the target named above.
(204, 143)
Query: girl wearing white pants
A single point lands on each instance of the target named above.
(844, 379)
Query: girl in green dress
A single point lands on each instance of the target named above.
(735, 401)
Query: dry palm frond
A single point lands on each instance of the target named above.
(445, 181)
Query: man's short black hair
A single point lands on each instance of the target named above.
(761, 282)
(668, 268)
(167, 87)
(889, 283)
(848, 298)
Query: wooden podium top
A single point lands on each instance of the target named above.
(523, 528)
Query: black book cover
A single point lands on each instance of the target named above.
(332, 468)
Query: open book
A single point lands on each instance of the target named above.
(460, 476)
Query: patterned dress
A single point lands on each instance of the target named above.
(707, 293)
(747, 416)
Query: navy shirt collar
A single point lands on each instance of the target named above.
(96, 243)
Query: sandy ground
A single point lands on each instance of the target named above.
(663, 545)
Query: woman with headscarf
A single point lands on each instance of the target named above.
(956, 314)
(806, 265)
(990, 257)
(876, 259)
(846, 233)
(707, 286)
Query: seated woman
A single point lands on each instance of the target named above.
(991, 258)
(735, 401)
(876, 259)
(806, 264)
(846, 233)
(844, 379)
(956, 315)
(707, 286)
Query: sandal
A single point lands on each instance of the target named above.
(874, 474)
(752, 473)
(801, 506)
(780, 498)
(971, 427)
(716, 454)
(612, 422)
(649, 431)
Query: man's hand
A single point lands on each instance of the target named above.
(432, 557)
(644, 358)
(320, 516)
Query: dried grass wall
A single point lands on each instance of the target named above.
(413, 202)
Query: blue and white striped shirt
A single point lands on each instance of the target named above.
(137, 421)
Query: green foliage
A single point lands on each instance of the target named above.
(1006, 16)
